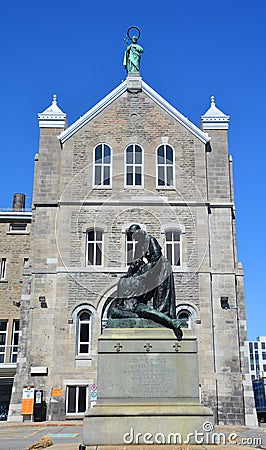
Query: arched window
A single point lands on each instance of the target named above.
(173, 247)
(165, 165)
(134, 164)
(94, 250)
(83, 332)
(185, 317)
(102, 165)
(188, 315)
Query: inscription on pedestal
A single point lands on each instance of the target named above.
(146, 372)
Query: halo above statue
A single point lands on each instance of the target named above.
(133, 28)
(133, 51)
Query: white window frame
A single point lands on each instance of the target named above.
(3, 269)
(102, 164)
(22, 228)
(134, 165)
(77, 386)
(165, 165)
(173, 243)
(79, 342)
(13, 346)
(95, 242)
(4, 333)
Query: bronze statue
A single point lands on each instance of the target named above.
(133, 53)
(147, 290)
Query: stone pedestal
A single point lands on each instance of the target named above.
(148, 389)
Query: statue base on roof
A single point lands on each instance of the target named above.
(147, 386)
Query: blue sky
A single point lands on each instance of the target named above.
(192, 49)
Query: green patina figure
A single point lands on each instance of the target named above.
(147, 290)
(133, 53)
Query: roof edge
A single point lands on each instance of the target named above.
(175, 113)
(113, 95)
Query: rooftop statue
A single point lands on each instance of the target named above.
(147, 290)
(133, 53)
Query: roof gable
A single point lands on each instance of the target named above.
(117, 92)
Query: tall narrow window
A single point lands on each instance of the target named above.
(134, 160)
(130, 248)
(77, 399)
(94, 247)
(3, 269)
(3, 340)
(15, 336)
(165, 165)
(84, 333)
(173, 247)
(102, 165)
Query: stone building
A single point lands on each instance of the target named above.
(14, 261)
(132, 158)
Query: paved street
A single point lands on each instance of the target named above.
(68, 436)
(20, 436)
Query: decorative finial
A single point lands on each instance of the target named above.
(212, 100)
(133, 52)
(54, 99)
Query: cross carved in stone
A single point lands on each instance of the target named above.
(118, 347)
(148, 347)
(176, 347)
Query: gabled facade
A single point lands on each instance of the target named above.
(133, 158)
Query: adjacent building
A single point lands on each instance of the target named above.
(15, 227)
(132, 158)
(257, 358)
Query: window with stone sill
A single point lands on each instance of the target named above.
(134, 165)
(165, 166)
(94, 247)
(102, 157)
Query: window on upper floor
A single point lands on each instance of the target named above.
(173, 247)
(255, 345)
(2, 268)
(165, 166)
(130, 249)
(134, 165)
(94, 250)
(263, 345)
(102, 165)
(18, 227)
(83, 332)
